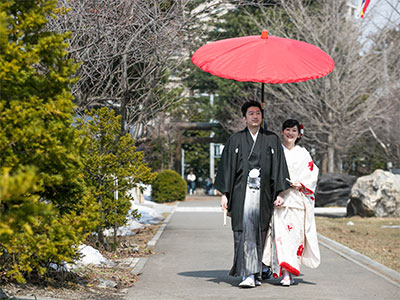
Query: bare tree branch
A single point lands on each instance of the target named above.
(127, 50)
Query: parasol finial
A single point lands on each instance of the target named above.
(264, 34)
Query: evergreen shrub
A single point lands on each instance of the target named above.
(111, 162)
(168, 186)
(46, 209)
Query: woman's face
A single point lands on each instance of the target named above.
(290, 135)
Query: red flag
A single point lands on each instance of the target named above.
(364, 6)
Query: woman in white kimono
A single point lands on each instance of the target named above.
(293, 239)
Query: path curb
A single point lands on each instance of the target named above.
(137, 269)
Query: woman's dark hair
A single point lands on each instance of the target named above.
(249, 104)
(291, 123)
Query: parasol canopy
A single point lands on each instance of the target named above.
(265, 59)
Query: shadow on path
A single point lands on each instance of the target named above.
(216, 276)
(221, 276)
(297, 281)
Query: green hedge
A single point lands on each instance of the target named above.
(168, 186)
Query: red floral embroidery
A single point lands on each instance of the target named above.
(311, 165)
(312, 198)
(289, 227)
(300, 250)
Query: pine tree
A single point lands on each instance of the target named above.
(45, 209)
(112, 167)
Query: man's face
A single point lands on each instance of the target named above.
(253, 117)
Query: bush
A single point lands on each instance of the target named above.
(168, 186)
(111, 161)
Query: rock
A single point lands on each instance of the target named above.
(333, 189)
(375, 195)
(104, 283)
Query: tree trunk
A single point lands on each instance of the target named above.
(178, 154)
(100, 236)
(170, 153)
(331, 154)
(324, 164)
(114, 247)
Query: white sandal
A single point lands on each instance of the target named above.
(286, 282)
(248, 282)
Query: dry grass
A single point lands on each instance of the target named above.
(366, 236)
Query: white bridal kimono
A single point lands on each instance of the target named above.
(293, 236)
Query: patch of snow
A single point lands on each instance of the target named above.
(90, 256)
(148, 215)
(125, 230)
(151, 213)
(146, 191)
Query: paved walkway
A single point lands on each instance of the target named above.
(195, 251)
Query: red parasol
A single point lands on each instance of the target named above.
(265, 59)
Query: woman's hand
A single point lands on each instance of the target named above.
(279, 201)
(296, 185)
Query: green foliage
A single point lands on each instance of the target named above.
(159, 153)
(46, 211)
(112, 166)
(197, 157)
(168, 186)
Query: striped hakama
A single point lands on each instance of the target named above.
(249, 242)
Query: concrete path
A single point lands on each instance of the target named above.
(194, 254)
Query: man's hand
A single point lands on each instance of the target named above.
(224, 202)
(279, 201)
(296, 185)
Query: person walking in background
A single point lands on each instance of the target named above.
(251, 173)
(191, 182)
(293, 236)
(209, 186)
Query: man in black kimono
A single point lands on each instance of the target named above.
(251, 174)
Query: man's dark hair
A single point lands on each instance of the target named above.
(249, 104)
(291, 123)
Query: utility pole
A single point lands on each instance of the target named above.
(212, 146)
(183, 163)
